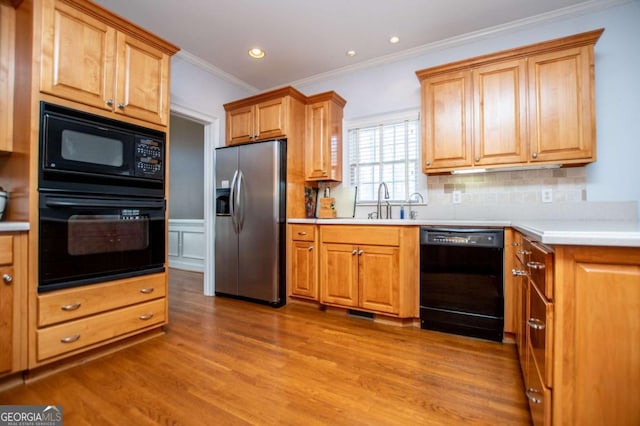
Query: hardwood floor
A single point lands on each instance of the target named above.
(229, 362)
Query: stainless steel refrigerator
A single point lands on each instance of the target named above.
(250, 221)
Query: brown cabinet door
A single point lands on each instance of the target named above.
(316, 162)
(240, 125)
(269, 119)
(500, 120)
(561, 99)
(78, 56)
(447, 120)
(378, 278)
(6, 320)
(143, 81)
(303, 269)
(339, 274)
(7, 64)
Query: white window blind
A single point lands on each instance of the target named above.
(384, 153)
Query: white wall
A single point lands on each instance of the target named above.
(615, 176)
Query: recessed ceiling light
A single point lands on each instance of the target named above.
(394, 39)
(256, 53)
(351, 53)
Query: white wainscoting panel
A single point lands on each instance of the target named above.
(186, 244)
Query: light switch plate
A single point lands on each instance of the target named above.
(456, 197)
(547, 195)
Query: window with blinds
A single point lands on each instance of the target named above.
(384, 153)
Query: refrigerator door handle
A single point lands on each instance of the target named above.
(240, 217)
(232, 203)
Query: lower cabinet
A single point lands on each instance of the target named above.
(74, 320)
(370, 268)
(303, 269)
(13, 302)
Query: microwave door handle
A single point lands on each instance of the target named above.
(232, 203)
(240, 201)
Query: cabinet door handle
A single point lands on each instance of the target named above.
(354, 252)
(525, 252)
(515, 244)
(477, 159)
(518, 273)
(536, 324)
(7, 278)
(70, 339)
(360, 252)
(428, 163)
(534, 155)
(146, 316)
(535, 265)
(302, 233)
(109, 102)
(121, 105)
(146, 290)
(71, 307)
(533, 395)
(310, 248)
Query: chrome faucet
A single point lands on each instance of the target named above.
(386, 197)
(419, 198)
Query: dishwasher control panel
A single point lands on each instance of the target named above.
(462, 237)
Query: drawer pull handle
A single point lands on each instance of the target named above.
(7, 278)
(310, 248)
(146, 316)
(536, 324)
(518, 273)
(71, 307)
(533, 395)
(535, 265)
(515, 244)
(303, 233)
(70, 339)
(146, 290)
(525, 252)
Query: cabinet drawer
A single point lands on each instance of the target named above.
(59, 339)
(65, 305)
(6, 249)
(540, 267)
(539, 396)
(303, 232)
(540, 331)
(361, 235)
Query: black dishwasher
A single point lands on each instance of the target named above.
(461, 281)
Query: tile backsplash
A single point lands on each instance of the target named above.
(512, 195)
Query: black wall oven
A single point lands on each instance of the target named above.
(102, 211)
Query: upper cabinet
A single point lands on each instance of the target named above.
(261, 117)
(530, 105)
(94, 58)
(323, 147)
(7, 66)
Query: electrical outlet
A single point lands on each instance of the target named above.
(547, 195)
(456, 197)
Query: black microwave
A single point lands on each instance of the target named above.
(86, 153)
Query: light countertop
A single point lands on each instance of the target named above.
(13, 226)
(584, 233)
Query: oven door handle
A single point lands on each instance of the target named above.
(75, 202)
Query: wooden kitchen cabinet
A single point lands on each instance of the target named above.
(303, 252)
(92, 57)
(74, 320)
(13, 302)
(562, 107)
(323, 146)
(261, 117)
(7, 70)
(526, 106)
(370, 268)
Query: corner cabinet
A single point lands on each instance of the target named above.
(532, 105)
(323, 147)
(13, 302)
(577, 332)
(370, 268)
(262, 117)
(92, 57)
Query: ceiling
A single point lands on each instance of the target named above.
(305, 38)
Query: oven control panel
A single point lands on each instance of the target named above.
(149, 161)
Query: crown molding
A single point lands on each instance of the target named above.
(207, 66)
(510, 27)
